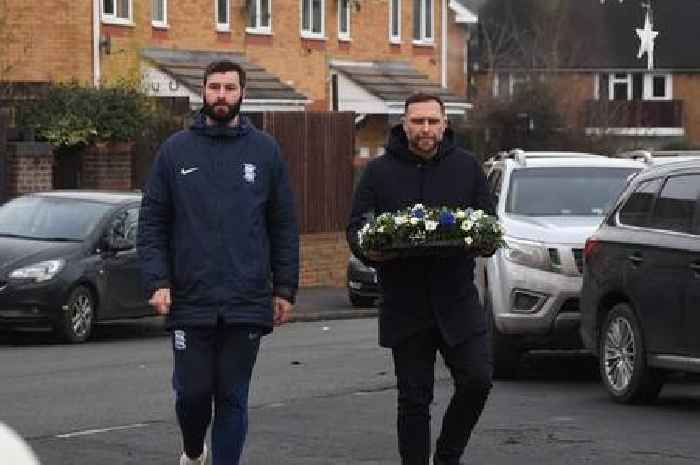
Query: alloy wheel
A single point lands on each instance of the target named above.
(619, 354)
(81, 314)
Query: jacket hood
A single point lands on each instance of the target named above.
(199, 126)
(397, 146)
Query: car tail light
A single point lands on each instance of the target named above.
(591, 247)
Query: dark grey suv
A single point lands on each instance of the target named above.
(640, 304)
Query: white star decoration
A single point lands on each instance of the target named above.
(646, 38)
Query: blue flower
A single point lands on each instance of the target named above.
(418, 213)
(446, 218)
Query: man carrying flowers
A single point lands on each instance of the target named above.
(430, 302)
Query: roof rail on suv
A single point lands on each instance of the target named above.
(521, 156)
(650, 156)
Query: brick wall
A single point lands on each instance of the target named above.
(46, 41)
(30, 168)
(107, 166)
(324, 259)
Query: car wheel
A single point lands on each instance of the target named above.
(77, 316)
(506, 356)
(623, 364)
(360, 300)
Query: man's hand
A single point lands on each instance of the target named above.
(282, 310)
(377, 256)
(161, 301)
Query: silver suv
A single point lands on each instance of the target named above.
(548, 203)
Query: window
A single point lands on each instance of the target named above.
(495, 182)
(621, 86)
(556, 191)
(635, 212)
(344, 19)
(633, 86)
(423, 21)
(501, 85)
(395, 21)
(675, 208)
(658, 87)
(124, 226)
(160, 13)
(222, 15)
(116, 11)
(312, 18)
(259, 16)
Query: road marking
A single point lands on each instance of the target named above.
(89, 432)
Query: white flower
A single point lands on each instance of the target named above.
(468, 240)
(431, 225)
(380, 229)
(399, 220)
(460, 214)
(414, 220)
(418, 206)
(467, 225)
(477, 215)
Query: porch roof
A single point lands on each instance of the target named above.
(170, 72)
(381, 87)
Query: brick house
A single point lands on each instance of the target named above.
(591, 54)
(363, 56)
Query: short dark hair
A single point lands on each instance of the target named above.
(421, 97)
(224, 66)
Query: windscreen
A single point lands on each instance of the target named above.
(581, 191)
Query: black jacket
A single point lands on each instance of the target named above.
(423, 292)
(217, 226)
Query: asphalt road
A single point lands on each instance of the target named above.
(323, 394)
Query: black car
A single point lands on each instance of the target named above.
(67, 260)
(640, 306)
(363, 286)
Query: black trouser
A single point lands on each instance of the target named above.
(214, 364)
(470, 364)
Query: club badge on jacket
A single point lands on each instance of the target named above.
(249, 173)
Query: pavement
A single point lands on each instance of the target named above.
(327, 303)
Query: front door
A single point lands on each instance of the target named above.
(124, 294)
(670, 277)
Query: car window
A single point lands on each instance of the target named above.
(674, 210)
(557, 191)
(495, 179)
(637, 208)
(124, 225)
(49, 218)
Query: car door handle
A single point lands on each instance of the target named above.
(635, 258)
(695, 267)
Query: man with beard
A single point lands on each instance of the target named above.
(219, 249)
(430, 303)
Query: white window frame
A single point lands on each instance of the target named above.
(344, 35)
(309, 33)
(222, 26)
(258, 29)
(112, 18)
(164, 22)
(613, 79)
(395, 39)
(648, 91)
(423, 37)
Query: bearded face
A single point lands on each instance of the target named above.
(222, 97)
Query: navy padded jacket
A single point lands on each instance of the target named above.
(217, 226)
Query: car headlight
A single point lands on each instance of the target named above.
(42, 271)
(527, 253)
